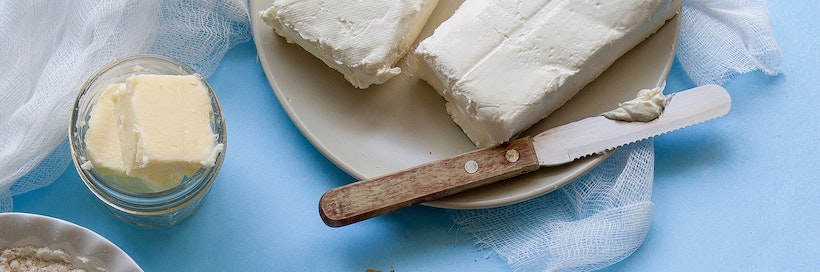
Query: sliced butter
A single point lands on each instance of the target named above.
(102, 138)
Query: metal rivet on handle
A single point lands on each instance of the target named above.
(512, 155)
(471, 166)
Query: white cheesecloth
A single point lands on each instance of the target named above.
(589, 224)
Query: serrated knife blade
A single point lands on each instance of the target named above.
(595, 134)
(365, 199)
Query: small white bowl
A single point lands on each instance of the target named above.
(87, 249)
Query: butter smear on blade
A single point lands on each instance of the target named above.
(646, 107)
(361, 39)
(502, 66)
(152, 131)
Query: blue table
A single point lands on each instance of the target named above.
(738, 193)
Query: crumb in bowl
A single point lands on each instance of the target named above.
(36, 259)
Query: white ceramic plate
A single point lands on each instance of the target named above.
(90, 251)
(403, 123)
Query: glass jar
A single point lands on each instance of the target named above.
(142, 208)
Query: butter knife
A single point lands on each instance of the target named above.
(369, 198)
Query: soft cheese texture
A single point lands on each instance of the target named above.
(504, 65)
(646, 107)
(152, 131)
(361, 39)
(102, 138)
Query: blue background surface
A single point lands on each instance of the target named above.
(740, 193)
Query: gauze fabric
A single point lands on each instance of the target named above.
(719, 39)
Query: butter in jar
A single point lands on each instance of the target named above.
(152, 131)
(148, 139)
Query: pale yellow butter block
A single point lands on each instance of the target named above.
(164, 128)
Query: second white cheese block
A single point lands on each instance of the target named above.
(504, 65)
(361, 39)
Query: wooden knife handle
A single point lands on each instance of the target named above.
(365, 199)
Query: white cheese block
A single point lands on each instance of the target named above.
(504, 65)
(361, 39)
